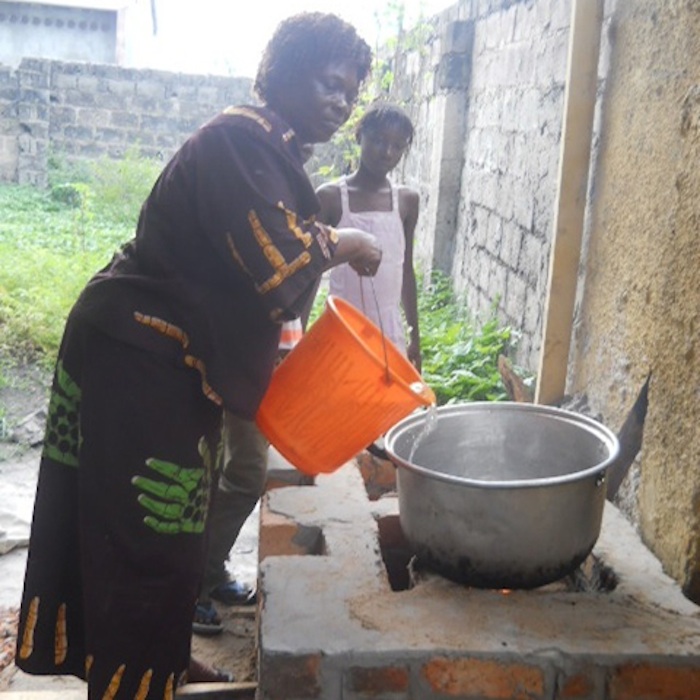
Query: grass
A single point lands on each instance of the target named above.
(49, 251)
(52, 242)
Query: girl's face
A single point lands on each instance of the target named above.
(382, 148)
(319, 104)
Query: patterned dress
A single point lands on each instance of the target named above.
(184, 321)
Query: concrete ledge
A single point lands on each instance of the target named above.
(44, 694)
(331, 626)
(281, 473)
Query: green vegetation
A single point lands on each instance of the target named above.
(52, 242)
(460, 356)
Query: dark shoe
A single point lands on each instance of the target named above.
(198, 672)
(234, 593)
(206, 620)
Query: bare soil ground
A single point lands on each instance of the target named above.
(23, 400)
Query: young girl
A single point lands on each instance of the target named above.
(367, 199)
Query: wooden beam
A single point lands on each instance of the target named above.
(579, 109)
(216, 691)
(190, 691)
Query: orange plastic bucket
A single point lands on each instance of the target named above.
(336, 391)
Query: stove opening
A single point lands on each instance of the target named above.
(404, 570)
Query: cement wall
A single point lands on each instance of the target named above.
(66, 33)
(640, 311)
(487, 93)
(122, 32)
(84, 110)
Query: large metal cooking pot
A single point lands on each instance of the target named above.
(501, 495)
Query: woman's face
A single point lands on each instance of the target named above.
(318, 105)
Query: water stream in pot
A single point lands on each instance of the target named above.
(429, 425)
(432, 417)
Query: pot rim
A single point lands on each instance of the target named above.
(604, 434)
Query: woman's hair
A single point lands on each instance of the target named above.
(305, 42)
(380, 115)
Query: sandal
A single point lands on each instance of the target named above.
(198, 672)
(234, 593)
(206, 620)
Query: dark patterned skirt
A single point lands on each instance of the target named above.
(118, 535)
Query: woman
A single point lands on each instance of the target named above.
(183, 322)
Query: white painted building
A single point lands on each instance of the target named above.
(94, 31)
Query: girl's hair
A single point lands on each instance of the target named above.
(382, 114)
(305, 42)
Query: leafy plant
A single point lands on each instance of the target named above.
(460, 356)
(52, 242)
(111, 189)
(319, 303)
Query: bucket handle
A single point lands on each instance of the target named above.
(381, 325)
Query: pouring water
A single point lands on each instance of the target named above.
(429, 426)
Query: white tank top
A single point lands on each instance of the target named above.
(347, 284)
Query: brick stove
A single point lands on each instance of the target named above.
(341, 619)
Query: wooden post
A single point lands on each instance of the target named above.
(579, 109)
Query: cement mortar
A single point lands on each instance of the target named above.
(641, 309)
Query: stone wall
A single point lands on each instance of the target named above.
(487, 93)
(83, 110)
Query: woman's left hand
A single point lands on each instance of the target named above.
(360, 249)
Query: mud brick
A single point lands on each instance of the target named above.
(372, 681)
(645, 681)
(489, 680)
(580, 686)
(378, 474)
(288, 677)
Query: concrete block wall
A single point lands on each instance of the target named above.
(486, 155)
(9, 125)
(509, 177)
(82, 110)
(55, 31)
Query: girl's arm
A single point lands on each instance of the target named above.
(408, 208)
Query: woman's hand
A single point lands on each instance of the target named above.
(358, 248)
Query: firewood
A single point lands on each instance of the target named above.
(514, 384)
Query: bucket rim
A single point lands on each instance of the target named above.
(426, 396)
